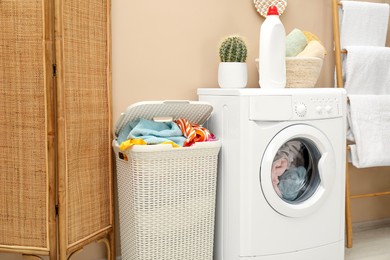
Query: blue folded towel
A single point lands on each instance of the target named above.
(291, 182)
(152, 132)
(296, 42)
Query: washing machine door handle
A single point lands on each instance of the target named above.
(326, 170)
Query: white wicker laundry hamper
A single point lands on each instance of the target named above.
(167, 195)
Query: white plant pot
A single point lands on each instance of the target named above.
(232, 74)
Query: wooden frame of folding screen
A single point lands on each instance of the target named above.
(37, 139)
(85, 188)
(27, 170)
(340, 84)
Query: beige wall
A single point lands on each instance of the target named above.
(168, 49)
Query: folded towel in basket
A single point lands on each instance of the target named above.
(363, 24)
(313, 49)
(367, 70)
(152, 132)
(369, 120)
(296, 41)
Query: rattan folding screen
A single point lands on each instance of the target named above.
(56, 188)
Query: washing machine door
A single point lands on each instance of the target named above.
(297, 170)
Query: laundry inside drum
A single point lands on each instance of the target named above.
(295, 176)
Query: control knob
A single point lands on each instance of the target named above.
(319, 109)
(300, 109)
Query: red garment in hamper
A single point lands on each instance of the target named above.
(194, 132)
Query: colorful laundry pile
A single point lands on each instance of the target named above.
(179, 133)
(289, 176)
(193, 132)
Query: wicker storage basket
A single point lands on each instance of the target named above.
(301, 72)
(167, 195)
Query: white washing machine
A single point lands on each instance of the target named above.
(281, 173)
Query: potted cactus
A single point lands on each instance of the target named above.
(232, 71)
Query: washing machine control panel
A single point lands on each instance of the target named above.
(315, 107)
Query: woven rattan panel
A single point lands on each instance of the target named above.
(23, 174)
(87, 117)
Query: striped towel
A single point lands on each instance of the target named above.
(193, 132)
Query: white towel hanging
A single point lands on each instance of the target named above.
(369, 117)
(366, 70)
(363, 24)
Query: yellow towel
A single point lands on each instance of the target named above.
(310, 36)
(129, 143)
(174, 145)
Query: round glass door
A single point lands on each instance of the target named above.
(297, 170)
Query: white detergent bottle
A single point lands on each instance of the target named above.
(272, 61)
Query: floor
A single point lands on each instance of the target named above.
(370, 244)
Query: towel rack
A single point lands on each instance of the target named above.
(337, 45)
(340, 84)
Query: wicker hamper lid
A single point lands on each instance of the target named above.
(194, 111)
